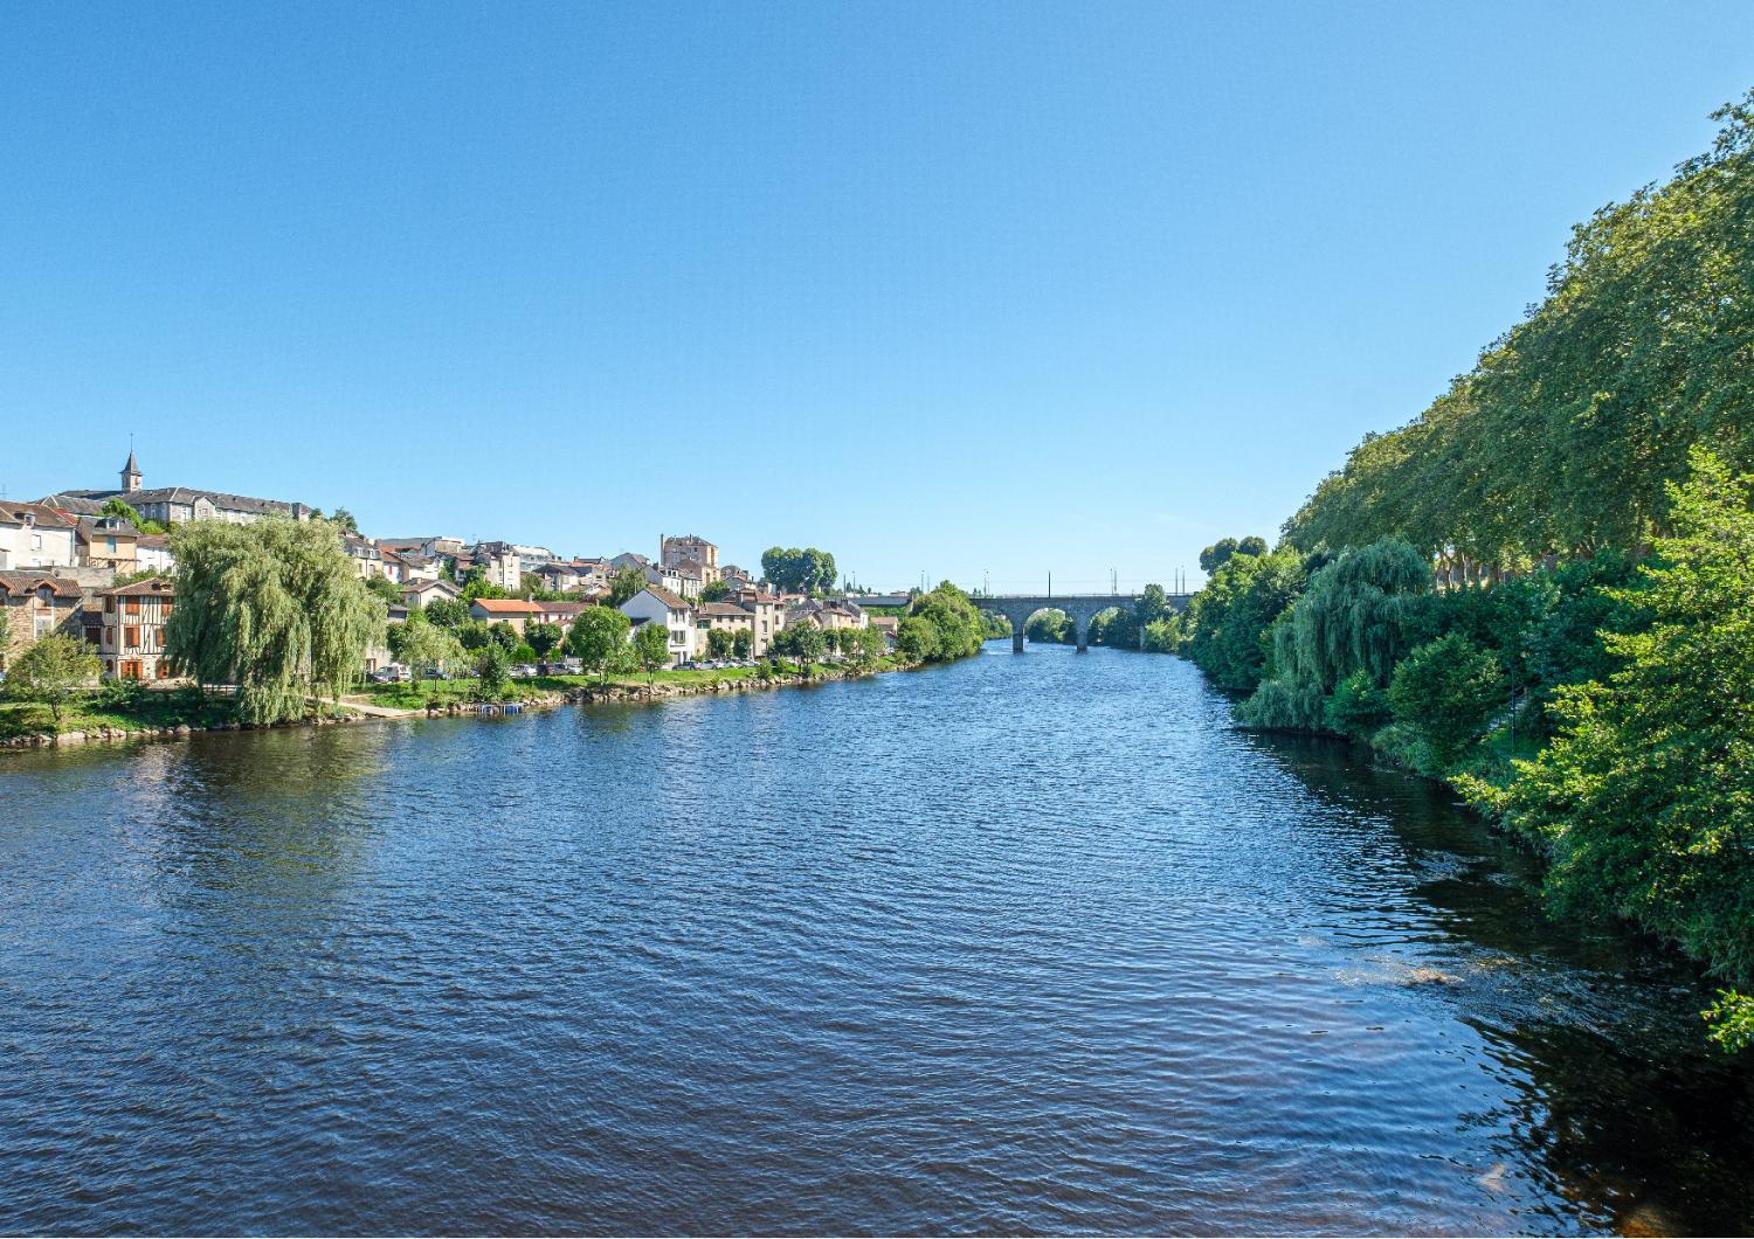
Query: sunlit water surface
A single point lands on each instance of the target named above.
(1032, 944)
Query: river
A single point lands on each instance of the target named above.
(1023, 944)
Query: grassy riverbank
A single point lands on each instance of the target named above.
(442, 693)
(106, 710)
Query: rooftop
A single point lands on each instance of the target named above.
(158, 586)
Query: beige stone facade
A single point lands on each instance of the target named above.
(35, 604)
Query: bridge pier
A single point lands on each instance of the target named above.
(1080, 630)
(1017, 638)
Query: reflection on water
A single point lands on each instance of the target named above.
(1026, 944)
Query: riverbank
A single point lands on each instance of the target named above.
(179, 713)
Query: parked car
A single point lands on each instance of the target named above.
(523, 671)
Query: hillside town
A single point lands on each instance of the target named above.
(98, 565)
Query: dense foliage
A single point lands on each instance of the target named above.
(597, 636)
(51, 671)
(797, 571)
(1562, 438)
(1224, 629)
(940, 626)
(1585, 667)
(1645, 800)
(274, 607)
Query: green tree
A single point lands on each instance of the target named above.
(792, 570)
(651, 647)
(865, 647)
(1447, 689)
(916, 639)
(596, 637)
(1217, 555)
(714, 591)
(1162, 636)
(450, 613)
(719, 642)
(1644, 802)
(423, 647)
(343, 519)
(542, 638)
(474, 634)
(625, 584)
(274, 607)
(807, 643)
(946, 625)
(493, 666)
(386, 589)
(123, 510)
(504, 635)
(1563, 437)
(51, 671)
(1358, 707)
(741, 644)
(1049, 627)
(1153, 605)
(1225, 631)
(1358, 614)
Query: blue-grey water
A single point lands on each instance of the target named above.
(1025, 944)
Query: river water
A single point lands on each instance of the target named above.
(1024, 944)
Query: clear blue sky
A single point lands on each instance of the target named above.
(954, 288)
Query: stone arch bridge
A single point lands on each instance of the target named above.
(1080, 608)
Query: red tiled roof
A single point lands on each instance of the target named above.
(507, 606)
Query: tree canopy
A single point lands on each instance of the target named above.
(798, 571)
(597, 636)
(54, 668)
(274, 607)
(1565, 435)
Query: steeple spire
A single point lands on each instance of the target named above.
(131, 472)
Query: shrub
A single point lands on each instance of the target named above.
(1357, 708)
(1448, 689)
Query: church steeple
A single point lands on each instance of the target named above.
(131, 472)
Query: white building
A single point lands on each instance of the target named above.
(33, 535)
(656, 605)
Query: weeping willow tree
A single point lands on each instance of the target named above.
(274, 607)
(1357, 615)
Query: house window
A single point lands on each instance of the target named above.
(131, 606)
(110, 544)
(131, 638)
(45, 625)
